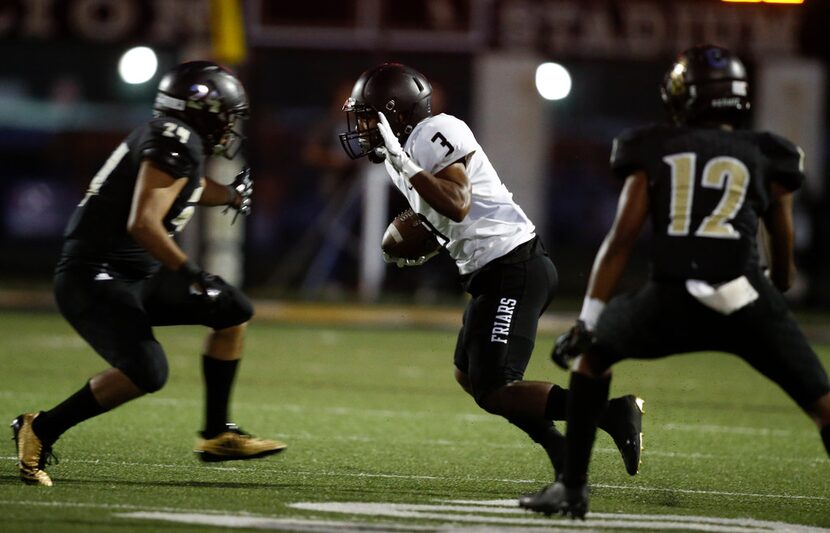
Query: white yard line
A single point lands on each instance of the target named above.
(483, 417)
(713, 492)
(272, 524)
(736, 430)
(467, 416)
(507, 514)
(322, 473)
(499, 512)
(484, 515)
(529, 445)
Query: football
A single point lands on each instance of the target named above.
(407, 237)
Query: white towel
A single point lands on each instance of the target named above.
(725, 298)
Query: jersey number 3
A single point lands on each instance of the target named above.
(444, 142)
(724, 173)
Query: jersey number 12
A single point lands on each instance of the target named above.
(725, 173)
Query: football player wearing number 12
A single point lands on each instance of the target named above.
(704, 183)
(447, 178)
(121, 273)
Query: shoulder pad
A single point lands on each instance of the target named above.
(440, 141)
(173, 146)
(774, 145)
(629, 151)
(171, 128)
(785, 159)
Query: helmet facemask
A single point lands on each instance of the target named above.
(230, 137)
(362, 135)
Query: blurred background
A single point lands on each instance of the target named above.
(545, 85)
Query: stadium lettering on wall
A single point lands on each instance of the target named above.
(575, 28)
(568, 28)
(152, 21)
(643, 28)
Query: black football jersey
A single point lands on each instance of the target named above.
(97, 230)
(707, 187)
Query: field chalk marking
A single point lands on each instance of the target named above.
(465, 515)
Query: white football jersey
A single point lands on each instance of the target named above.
(495, 224)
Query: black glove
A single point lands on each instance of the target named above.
(243, 186)
(202, 283)
(571, 344)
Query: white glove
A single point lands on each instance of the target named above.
(401, 262)
(393, 151)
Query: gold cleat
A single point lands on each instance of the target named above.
(234, 444)
(32, 455)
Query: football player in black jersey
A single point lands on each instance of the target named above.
(121, 273)
(704, 183)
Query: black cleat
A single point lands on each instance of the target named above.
(558, 499)
(625, 425)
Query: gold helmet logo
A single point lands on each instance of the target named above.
(676, 83)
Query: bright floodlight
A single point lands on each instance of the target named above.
(553, 81)
(137, 65)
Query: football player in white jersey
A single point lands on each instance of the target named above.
(447, 178)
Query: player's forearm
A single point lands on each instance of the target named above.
(607, 270)
(156, 241)
(446, 197)
(782, 265)
(216, 194)
(778, 221)
(612, 257)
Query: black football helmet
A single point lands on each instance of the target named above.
(707, 84)
(210, 99)
(403, 94)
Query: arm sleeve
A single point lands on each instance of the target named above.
(785, 161)
(441, 143)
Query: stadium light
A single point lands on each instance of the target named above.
(553, 81)
(138, 65)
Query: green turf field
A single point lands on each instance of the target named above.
(381, 438)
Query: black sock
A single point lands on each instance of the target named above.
(51, 424)
(588, 397)
(825, 436)
(548, 437)
(606, 419)
(557, 405)
(219, 375)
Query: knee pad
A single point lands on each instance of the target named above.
(146, 366)
(231, 309)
